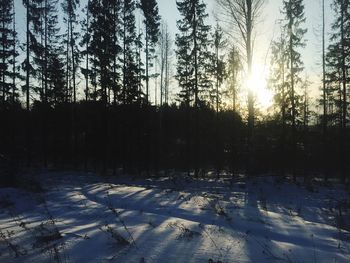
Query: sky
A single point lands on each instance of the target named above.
(267, 31)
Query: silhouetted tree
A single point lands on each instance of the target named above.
(234, 66)
(8, 52)
(338, 66)
(193, 52)
(243, 16)
(130, 42)
(295, 17)
(152, 22)
(72, 53)
(165, 57)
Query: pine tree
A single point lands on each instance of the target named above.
(8, 52)
(337, 73)
(193, 51)
(152, 23)
(193, 55)
(130, 46)
(278, 80)
(218, 68)
(295, 17)
(72, 53)
(243, 17)
(218, 71)
(51, 57)
(104, 48)
(85, 43)
(234, 66)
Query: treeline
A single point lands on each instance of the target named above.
(80, 98)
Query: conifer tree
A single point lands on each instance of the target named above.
(218, 63)
(103, 46)
(193, 56)
(33, 27)
(130, 42)
(193, 53)
(295, 17)
(8, 52)
(152, 23)
(72, 53)
(337, 74)
(85, 43)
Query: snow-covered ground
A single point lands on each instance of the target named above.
(86, 218)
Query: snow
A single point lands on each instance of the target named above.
(87, 218)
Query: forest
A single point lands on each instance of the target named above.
(152, 125)
(113, 124)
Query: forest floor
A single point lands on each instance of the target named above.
(75, 217)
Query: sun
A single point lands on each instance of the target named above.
(257, 83)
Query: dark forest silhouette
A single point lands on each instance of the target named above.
(115, 129)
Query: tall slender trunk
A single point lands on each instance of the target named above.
(87, 53)
(325, 117)
(14, 54)
(250, 91)
(344, 102)
(44, 117)
(155, 83)
(233, 81)
(166, 66)
(196, 102)
(115, 56)
(68, 91)
(290, 28)
(45, 50)
(72, 42)
(217, 111)
(124, 57)
(28, 124)
(283, 136)
(162, 56)
(72, 56)
(4, 91)
(147, 77)
(249, 64)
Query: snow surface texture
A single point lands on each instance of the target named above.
(85, 218)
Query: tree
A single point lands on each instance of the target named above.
(165, 57)
(8, 52)
(324, 96)
(234, 66)
(243, 16)
(278, 82)
(193, 52)
(219, 74)
(130, 45)
(104, 47)
(294, 15)
(324, 85)
(72, 53)
(152, 23)
(219, 65)
(32, 27)
(338, 66)
(85, 42)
